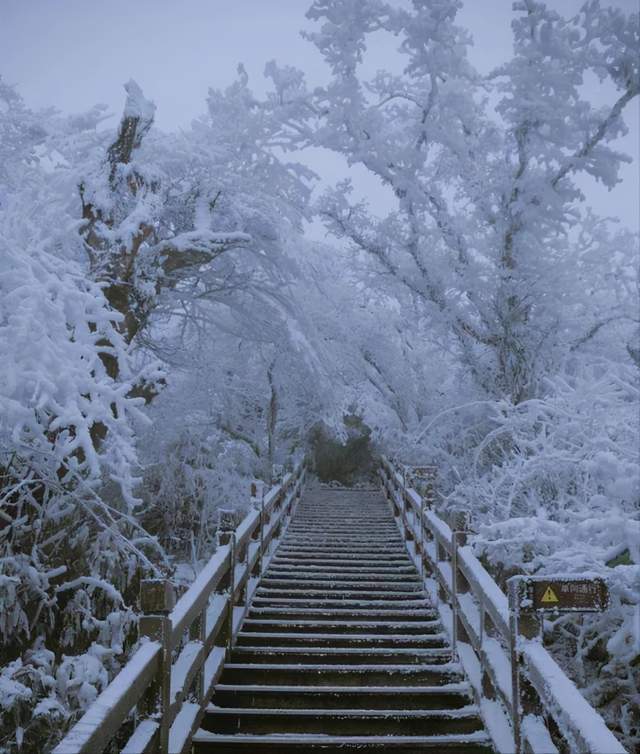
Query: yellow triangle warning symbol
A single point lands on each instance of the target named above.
(549, 596)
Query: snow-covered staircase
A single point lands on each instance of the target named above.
(341, 649)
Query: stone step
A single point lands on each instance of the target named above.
(349, 530)
(384, 558)
(345, 584)
(385, 533)
(332, 601)
(354, 526)
(448, 696)
(354, 529)
(334, 513)
(277, 565)
(216, 743)
(374, 551)
(339, 542)
(342, 655)
(316, 559)
(341, 521)
(351, 594)
(322, 674)
(349, 613)
(338, 626)
(286, 569)
(339, 576)
(379, 554)
(328, 639)
(345, 722)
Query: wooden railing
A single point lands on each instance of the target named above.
(166, 685)
(527, 701)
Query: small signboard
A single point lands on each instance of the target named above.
(428, 473)
(423, 479)
(563, 594)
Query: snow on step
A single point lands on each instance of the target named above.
(463, 687)
(382, 609)
(280, 743)
(408, 714)
(331, 601)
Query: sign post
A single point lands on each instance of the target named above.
(530, 597)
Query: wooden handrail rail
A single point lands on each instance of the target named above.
(483, 634)
(153, 670)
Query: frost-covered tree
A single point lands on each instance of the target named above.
(492, 255)
(116, 246)
(484, 205)
(251, 373)
(135, 251)
(70, 543)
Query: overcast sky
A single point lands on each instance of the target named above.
(75, 53)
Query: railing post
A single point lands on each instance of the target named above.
(157, 599)
(277, 505)
(422, 543)
(301, 479)
(384, 474)
(441, 557)
(526, 626)
(198, 632)
(389, 488)
(227, 535)
(405, 506)
(424, 486)
(232, 592)
(257, 499)
(459, 523)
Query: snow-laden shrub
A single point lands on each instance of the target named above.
(553, 485)
(39, 696)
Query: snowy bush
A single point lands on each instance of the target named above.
(39, 696)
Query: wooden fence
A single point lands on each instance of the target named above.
(512, 674)
(166, 685)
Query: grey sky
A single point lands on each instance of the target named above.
(74, 53)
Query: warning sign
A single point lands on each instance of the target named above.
(549, 596)
(563, 594)
(423, 479)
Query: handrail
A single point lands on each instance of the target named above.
(170, 677)
(549, 709)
